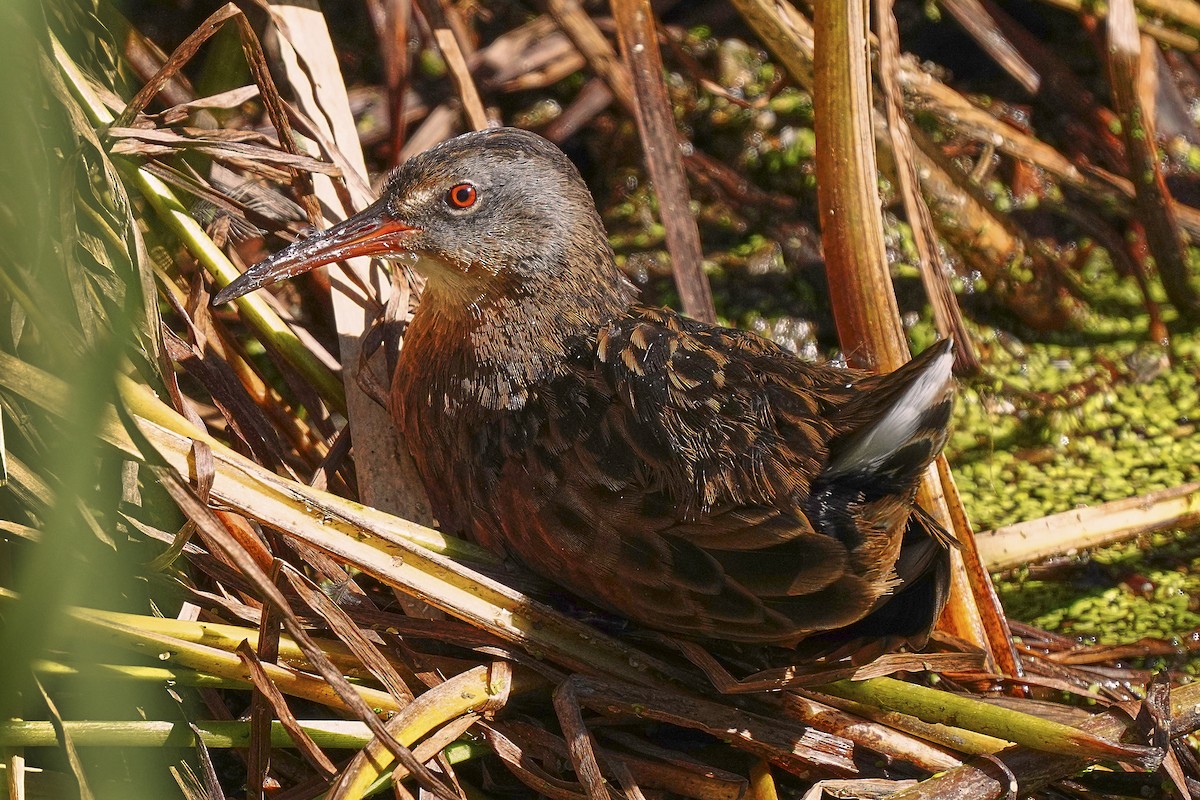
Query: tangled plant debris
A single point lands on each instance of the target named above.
(189, 566)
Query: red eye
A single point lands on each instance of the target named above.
(462, 196)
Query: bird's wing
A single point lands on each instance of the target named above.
(723, 417)
(672, 477)
(680, 498)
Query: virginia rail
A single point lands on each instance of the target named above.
(700, 480)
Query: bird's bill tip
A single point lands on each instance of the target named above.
(369, 233)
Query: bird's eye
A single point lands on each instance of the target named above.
(463, 195)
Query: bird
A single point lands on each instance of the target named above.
(700, 481)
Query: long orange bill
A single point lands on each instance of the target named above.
(372, 231)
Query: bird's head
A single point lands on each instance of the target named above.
(495, 213)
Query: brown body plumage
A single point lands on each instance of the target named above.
(700, 480)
